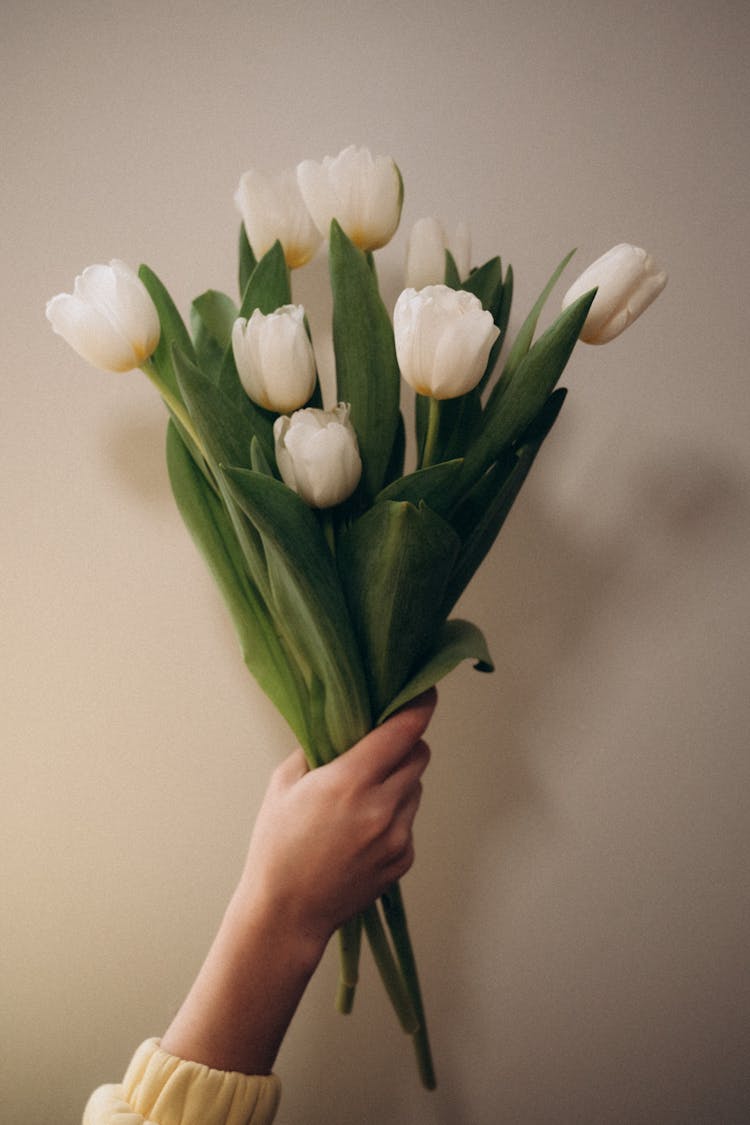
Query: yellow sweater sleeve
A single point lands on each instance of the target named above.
(160, 1089)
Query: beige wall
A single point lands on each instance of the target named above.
(580, 897)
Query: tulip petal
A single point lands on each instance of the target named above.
(91, 333)
(627, 280)
(317, 455)
(272, 209)
(363, 194)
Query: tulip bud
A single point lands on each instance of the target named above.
(627, 280)
(318, 455)
(364, 194)
(425, 253)
(272, 209)
(274, 358)
(109, 318)
(443, 340)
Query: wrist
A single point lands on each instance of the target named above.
(267, 917)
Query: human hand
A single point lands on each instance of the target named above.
(327, 842)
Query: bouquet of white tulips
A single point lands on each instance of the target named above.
(340, 569)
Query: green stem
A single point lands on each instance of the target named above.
(393, 906)
(350, 941)
(173, 403)
(431, 438)
(389, 970)
(329, 531)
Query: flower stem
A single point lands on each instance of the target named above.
(389, 970)
(173, 404)
(350, 940)
(431, 438)
(393, 906)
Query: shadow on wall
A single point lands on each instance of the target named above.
(541, 597)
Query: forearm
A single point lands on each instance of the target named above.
(238, 1010)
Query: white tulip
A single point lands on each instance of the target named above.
(272, 209)
(274, 358)
(627, 280)
(109, 318)
(425, 252)
(443, 340)
(363, 193)
(318, 455)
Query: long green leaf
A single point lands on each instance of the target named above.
(226, 433)
(268, 287)
(433, 486)
(525, 335)
(226, 425)
(484, 510)
(246, 260)
(395, 561)
(173, 332)
(367, 374)
(486, 283)
(457, 641)
(211, 318)
(505, 419)
(309, 598)
(209, 525)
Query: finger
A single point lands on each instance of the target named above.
(292, 769)
(381, 751)
(408, 772)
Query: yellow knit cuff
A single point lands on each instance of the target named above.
(164, 1090)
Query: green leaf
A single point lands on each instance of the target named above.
(173, 332)
(452, 276)
(367, 374)
(501, 312)
(226, 426)
(433, 486)
(457, 640)
(482, 513)
(395, 561)
(459, 418)
(523, 340)
(486, 283)
(268, 287)
(505, 419)
(226, 433)
(209, 525)
(246, 260)
(395, 467)
(310, 606)
(212, 316)
(259, 463)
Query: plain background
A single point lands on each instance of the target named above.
(580, 897)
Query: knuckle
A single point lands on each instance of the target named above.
(399, 841)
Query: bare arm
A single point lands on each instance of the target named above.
(325, 845)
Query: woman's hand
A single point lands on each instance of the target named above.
(329, 841)
(326, 844)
